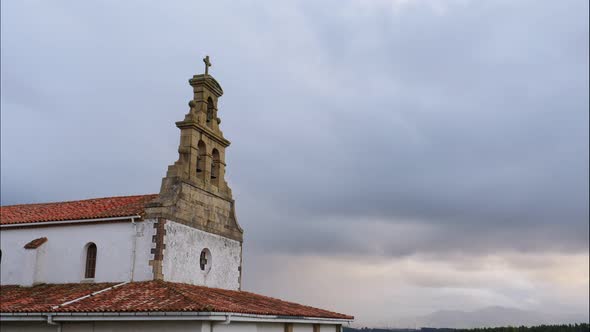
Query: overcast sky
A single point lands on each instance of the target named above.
(389, 158)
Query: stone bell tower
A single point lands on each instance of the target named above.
(194, 192)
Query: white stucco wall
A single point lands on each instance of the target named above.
(40, 264)
(327, 328)
(26, 327)
(302, 328)
(183, 249)
(172, 326)
(27, 266)
(271, 327)
(62, 258)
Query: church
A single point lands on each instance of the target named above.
(170, 261)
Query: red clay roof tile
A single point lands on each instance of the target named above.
(41, 298)
(106, 207)
(150, 296)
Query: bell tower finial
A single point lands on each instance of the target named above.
(207, 64)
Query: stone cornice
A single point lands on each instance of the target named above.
(214, 136)
(200, 187)
(208, 81)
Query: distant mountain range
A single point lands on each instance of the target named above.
(583, 327)
(487, 317)
(492, 317)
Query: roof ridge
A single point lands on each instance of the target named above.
(79, 200)
(88, 295)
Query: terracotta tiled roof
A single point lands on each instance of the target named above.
(36, 243)
(106, 207)
(149, 296)
(41, 298)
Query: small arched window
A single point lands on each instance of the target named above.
(205, 260)
(90, 269)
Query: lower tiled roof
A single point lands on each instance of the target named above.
(149, 296)
(106, 207)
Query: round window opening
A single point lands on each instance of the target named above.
(205, 260)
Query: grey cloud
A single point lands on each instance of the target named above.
(475, 121)
(470, 122)
(362, 132)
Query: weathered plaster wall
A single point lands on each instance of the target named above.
(182, 253)
(143, 250)
(62, 258)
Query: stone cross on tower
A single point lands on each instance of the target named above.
(207, 64)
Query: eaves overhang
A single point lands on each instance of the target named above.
(165, 316)
(66, 222)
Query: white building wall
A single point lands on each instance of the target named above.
(271, 327)
(26, 327)
(40, 264)
(171, 326)
(302, 328)
(62, 258)
(183, 250)
(143, 250)
(242, 327)
(26, 264)
(133, 326)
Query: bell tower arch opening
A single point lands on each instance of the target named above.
(201, 158)
(215, 163)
